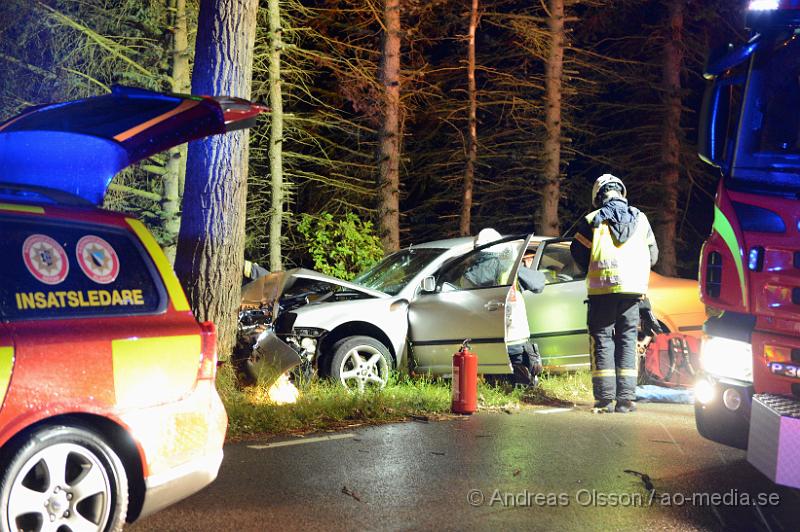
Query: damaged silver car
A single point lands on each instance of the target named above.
(412, 309)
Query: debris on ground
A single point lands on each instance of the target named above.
(648, 482)
(424, 419)
(351, 493)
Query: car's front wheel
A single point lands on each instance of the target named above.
(64, 479)
(359, 362)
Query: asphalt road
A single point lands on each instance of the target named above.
(540, 469)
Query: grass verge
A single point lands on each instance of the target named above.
(323, 405)
(563, 389)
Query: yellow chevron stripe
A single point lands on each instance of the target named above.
(174, 288)
(21, 208)
(6, 365)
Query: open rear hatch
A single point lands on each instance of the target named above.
(77, 147)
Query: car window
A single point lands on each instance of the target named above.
(484, 268)
(394, 272)
(63, 270)
(558, 265)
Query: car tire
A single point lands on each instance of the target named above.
(359, 362)
(65, 478)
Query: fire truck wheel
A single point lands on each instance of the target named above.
(63, 478)
(359, 362)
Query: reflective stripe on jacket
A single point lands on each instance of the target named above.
(619, 268)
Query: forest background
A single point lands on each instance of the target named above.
(403, 121)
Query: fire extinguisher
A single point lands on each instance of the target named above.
(465, 380)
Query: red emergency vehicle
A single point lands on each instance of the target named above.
(750, 264)
(108, 407)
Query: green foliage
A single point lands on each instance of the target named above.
(340, 246)
(569, 388)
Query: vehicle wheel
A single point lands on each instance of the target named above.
(63, 479)
(360, 361)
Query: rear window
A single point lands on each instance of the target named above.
(65, 270)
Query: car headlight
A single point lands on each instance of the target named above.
(308, 332)
(723, 357)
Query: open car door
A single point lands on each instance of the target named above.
(557, 316)
(77, 147)
(470, 301)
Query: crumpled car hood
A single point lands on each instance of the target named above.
(267, 290)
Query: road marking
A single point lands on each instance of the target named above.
(301, 441)
(763, 520)
(718, 516)
(671, 438)
(553, 410)
(720, 455)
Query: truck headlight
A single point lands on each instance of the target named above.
(723, 357)
(763, 5)
(704, 391)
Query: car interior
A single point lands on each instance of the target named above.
(558, 265)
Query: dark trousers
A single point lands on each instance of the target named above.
(526, 362)
(613, 321)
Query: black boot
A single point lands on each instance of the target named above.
(603, 406)
(522, 375)
(624, 406)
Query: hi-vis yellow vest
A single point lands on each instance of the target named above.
(619, 268)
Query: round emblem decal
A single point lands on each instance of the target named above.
(97, 259)
(45, 259)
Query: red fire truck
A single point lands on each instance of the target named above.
(749, 394)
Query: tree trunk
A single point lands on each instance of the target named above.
(210, 257)
(176, 157)
(551, 193)
(389, 149)
(671, 140)
(276, 136)
(472, 125)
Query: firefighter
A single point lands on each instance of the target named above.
(616, 246)
(492, 267)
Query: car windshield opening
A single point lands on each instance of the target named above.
(394, 272)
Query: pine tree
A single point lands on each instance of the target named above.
(210, 255)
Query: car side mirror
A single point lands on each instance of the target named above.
(429, 284)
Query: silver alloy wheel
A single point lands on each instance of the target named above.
(362, 366)
(63, 487)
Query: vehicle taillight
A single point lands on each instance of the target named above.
(208, 358)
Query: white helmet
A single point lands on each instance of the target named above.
(486, 235)
(602, 181)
